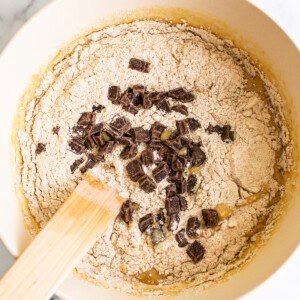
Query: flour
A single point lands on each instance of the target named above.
(237, 177)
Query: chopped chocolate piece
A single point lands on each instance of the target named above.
(193, 124)
(175, 176)
(147, 157)
(193, 227)
(195, 251)
(135, 170)
(96, 157)
(139, 89)
(172, 205)
(98, 139)
(147, 103)
(191, 183)
(156, 130)
(137, 101)
(147, 184)
(89, 143)
(80, 131)
(97, 108)
(109, 146)
(129, 152)
(146, 222)
(139, 65)
(181, 186)
(185, 142)
(170, 158)
(227, 135)
(157, 235)
(155, 144)
(182, 203)
(96, 128)
(156, 97)
(120, 125)
(183, 160)
(140, 135)
(182, 126)
(163, 152)
(127, 97)
(160, 217)
(131, 109)
(181, 94)
(55, 130)
(164, 105)
(181, 109)
(177, 165)
(181, 238)
(173, 222)
(174, 145)
(76, 164)
(198, 156)
(87, 118)
(40, 147)
(160, 172)
(125, 140)
(138, 92)
(76, 145)
(126, 211)
(88, 165)
(174, 135)
(210, 217)
(114, 94)
(214, 129)
(171, 190)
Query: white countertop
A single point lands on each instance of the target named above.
(282, 285)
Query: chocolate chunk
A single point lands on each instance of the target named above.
(76, 145)
(88, 165)
(89, 143)
(80, 131)
(139, 65)
(146, 102)
(198, 156)
(87, 118)
(171, 190)
(181, 186)
(193, 124)
(96, 128)
(155, 144)
(172, 205)
(114, 93)
(131, 109)
(126, 211)
(146, 222)
(157, 235)
(139, 89)
(147, 184)
(181, 109)
(98, 139)
(163, 153)
(164, 105)
(127, 97)
(109, 147)
(40, 147)
(97, 108)
(182, 203)
(193, 227)
(175, 176)
(181, 94)
(125, 140)
(156, 130)
(182, 126)
(55, 130)
(138, 92)
(135, 170)
(96, 157)
(120, 125)
(177, 165)
(160, 217)
(214, 129)
(227, 135)
(195, 251)
(181, 238)
(191, 183)
(210, 217)
(147, 157)
(160, 172)
(174, 145)
(185, 142)
(76, 164)
(140, 135)
(129, 152)
(173, 222)
(156, 97)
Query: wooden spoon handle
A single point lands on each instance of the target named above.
(61, 244)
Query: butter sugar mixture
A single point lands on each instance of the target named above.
(187, 129)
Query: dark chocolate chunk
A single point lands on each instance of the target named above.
(87, 118)
(160, 172)
(139, 65)
(195, 251)
(135, 170)
(193, 227)
(147, 184)
(139, 89)
(181, 94)
(198, 156)
(181, 109)
(177, 165)
(157, 235)
(127, 97)
(193, 124)
(172, 205)
(175, 176)
(164, 105)
(80, 131)
(96, 128)
(125, 140)
(171, 190)
(147, 157)
(55, 130)
(98, 139)
(174, 145)
(163, 153)
(191, 183)
(227, 135)
(88, 165)
(96, 157)
(175, 134)
(182, 203)
(109, 146)
(147, 103)
(146, 222)
(181, 186)
(173, 222)
(120, 125)
(76, 145)
(160, 217)
(131, 109)
(138, 92)
(214, 129)
(210, 217)
(114, 94)
(89, 143)
(126, 211)
(76, 164)
(97, 108)
(185, 142)
(182, 126)
(140, 135)
(181, 238)
(156, 130)
(155, 144)
(40, 147)
(129, 152)
(156, 97)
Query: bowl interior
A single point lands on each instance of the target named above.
(64, 20)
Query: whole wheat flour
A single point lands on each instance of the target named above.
(242, 180)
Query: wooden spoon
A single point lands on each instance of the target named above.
(62, 243)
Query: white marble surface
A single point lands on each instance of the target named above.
(13, 14)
